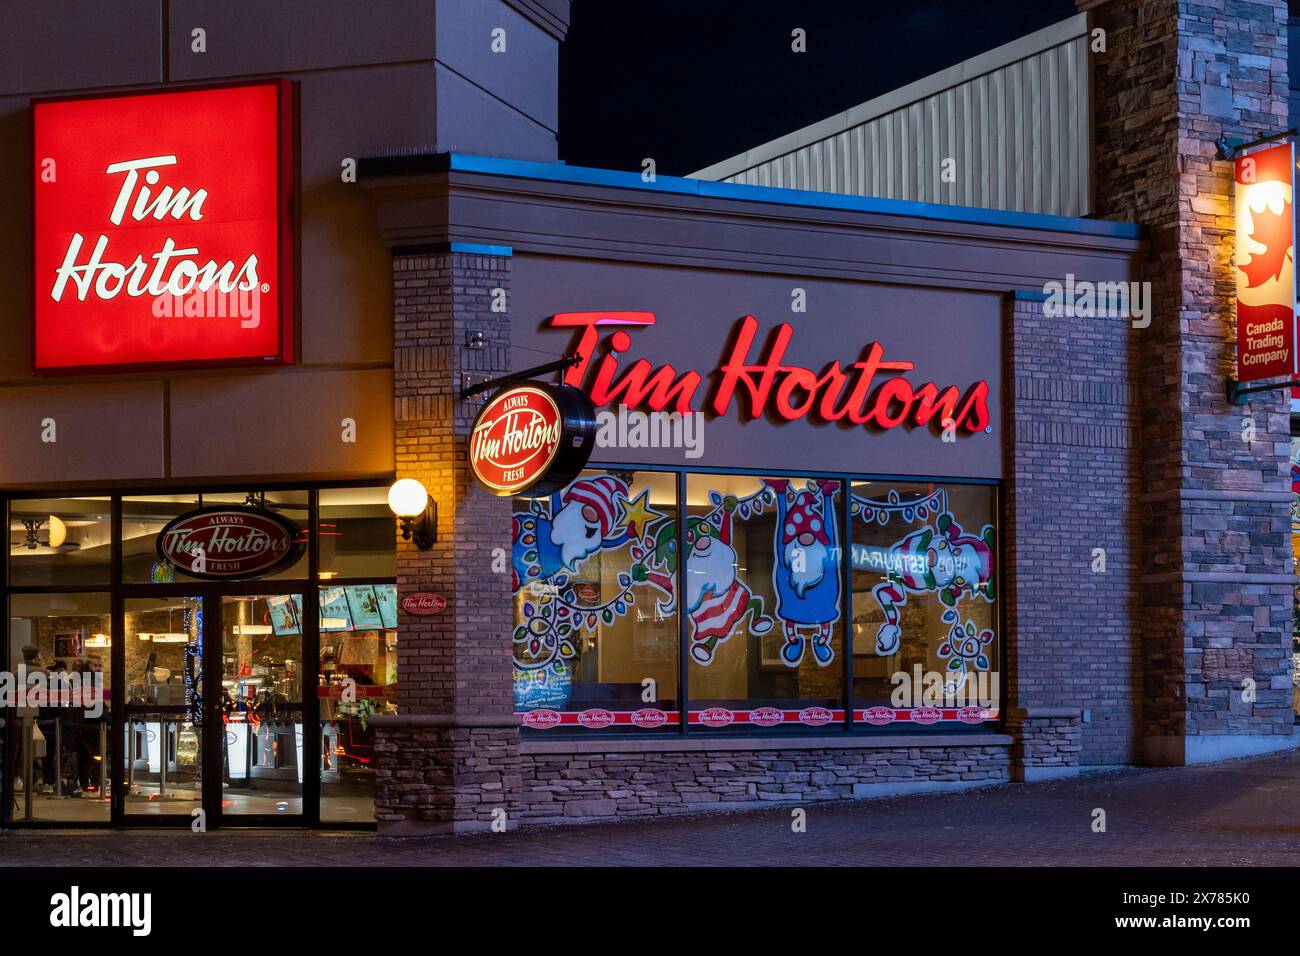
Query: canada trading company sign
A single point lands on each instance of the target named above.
(1266, 336)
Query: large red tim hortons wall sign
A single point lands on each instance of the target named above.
(757, 380)
(532, 438)
(164, 229)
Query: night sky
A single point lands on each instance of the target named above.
(691, 82)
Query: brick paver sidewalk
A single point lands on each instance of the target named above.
(1237, 813)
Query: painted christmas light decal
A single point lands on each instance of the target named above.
(941, 559)
(880, 511)
(551, 540)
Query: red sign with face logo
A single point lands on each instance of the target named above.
(163, 229)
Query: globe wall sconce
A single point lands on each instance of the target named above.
(417, 513)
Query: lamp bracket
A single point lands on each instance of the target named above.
(423, 530)
(1230, 147)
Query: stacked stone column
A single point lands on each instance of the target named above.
(1215, 571)
(448, 761)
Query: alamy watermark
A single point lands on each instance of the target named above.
(38, 687)
(242, 304)
(1107, 300)
(944, 688)
(628, 428)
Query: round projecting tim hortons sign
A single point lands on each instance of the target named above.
(228, 542)
(532, 438)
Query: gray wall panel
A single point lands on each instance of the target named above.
(1016, 120)
(78, 44)
(246, 37)
(523, 76)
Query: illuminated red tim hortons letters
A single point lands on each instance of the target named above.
(871, 391)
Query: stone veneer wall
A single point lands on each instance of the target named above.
(1215, 570)
(435, 774)
(558, 785)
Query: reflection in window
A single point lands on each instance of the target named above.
(924, 564)
(63, 541)
(595, 639)
(762, 595)
(356, 534)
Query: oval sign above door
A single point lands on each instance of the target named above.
(229, 542)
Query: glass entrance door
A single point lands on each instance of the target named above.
(262, 676)
(214, 719)
(161, 773)
(248, 701)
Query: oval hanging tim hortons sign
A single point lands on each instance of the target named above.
(227, 542)
(532, 438)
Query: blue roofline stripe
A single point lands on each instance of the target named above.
(477, 248)
(620, 179)
(1029, 295)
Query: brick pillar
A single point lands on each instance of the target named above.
(1215, 570)
(448, 760)
(1068, 520)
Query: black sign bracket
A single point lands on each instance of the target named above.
(1238, 394)
(1230, 147)
(569, 360)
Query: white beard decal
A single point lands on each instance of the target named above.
(709, 572)
(806, 564)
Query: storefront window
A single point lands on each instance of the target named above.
(595, 638)
(144, 516)
(764, 594)
(59, 541)
(356, 534)
(59, 754)
(763, 599)
(357, 679)
(276, 666)
(924, 559)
